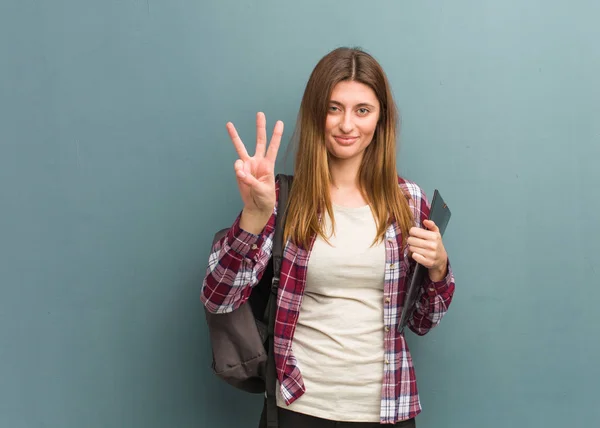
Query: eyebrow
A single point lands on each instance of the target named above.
(360, 105)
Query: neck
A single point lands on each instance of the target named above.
(344, 173)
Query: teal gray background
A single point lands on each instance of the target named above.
(116, 169)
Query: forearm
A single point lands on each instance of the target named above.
(235, 265)
(254, 222)
(433, 303)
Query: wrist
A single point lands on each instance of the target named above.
(254, 221)
(438, 273)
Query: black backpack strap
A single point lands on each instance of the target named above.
(285, 183)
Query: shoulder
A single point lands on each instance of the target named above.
(412, 190)
(417, 200)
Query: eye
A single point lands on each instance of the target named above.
(363, 111)
(333, 108)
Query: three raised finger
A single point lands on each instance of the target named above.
(261, 139)
(261, 135)
(237, 142)
(275, 141)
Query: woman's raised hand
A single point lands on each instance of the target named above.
(256, 174)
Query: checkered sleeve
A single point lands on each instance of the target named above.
(435, 297)
(235, 265)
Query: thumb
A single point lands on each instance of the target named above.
(430, 225)
(246, 178)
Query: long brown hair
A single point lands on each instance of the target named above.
(378, 177)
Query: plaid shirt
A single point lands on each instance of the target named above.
(236, 264)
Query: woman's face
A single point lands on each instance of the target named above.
(352, 118)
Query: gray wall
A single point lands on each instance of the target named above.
(115, 170)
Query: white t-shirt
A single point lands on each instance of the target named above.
(338, 340)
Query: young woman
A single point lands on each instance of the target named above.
(354, 232)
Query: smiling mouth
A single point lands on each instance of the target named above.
(345, 140)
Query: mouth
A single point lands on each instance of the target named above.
(345, 141)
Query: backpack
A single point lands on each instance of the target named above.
(242, 340)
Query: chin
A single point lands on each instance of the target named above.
(345, 154)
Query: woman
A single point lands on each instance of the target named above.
(354, 232)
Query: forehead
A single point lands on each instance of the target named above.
(352, 92)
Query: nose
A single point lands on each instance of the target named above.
(346, 124)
